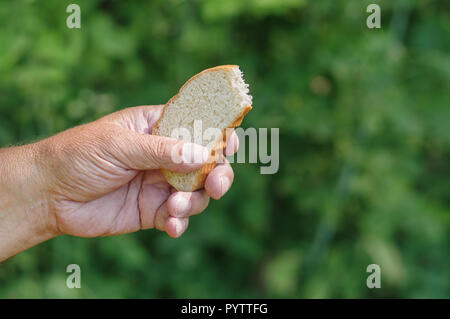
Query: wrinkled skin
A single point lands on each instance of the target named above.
(98, 193)
(100, 179)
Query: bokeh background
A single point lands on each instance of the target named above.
(364, 118)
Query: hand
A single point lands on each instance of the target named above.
(107, 179)
(104, 178)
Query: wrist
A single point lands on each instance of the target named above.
(25, 217)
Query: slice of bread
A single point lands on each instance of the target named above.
(218, 97)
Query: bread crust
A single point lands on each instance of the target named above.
(216, 152)
(218, 149)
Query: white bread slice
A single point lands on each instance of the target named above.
(219, 98)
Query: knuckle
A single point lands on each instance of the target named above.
(158, 150)
(161, 147)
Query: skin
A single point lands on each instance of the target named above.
(102, 179)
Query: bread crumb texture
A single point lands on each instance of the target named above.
(216, 98)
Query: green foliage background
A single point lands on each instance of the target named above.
(364, 143)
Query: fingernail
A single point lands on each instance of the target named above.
(225, 184)
(182, 205)
(194, 153)
(179, 228)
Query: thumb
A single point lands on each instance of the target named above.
(144, 152)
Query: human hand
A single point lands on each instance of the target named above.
(103, 178)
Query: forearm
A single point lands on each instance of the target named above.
(24, 213)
